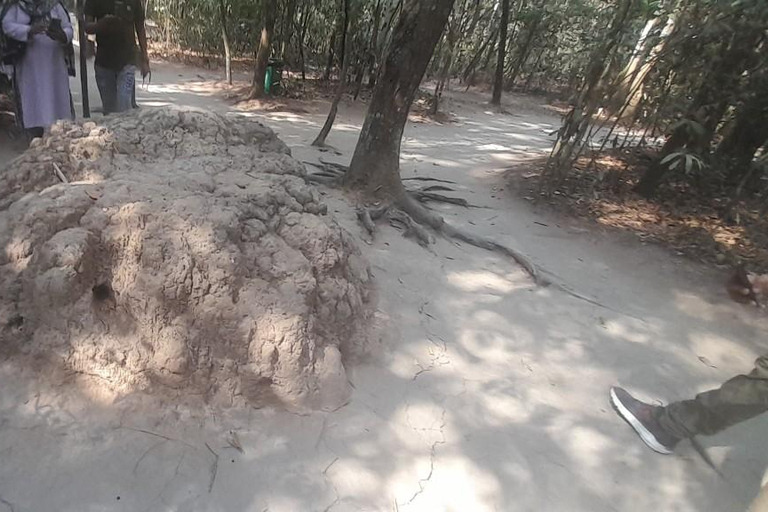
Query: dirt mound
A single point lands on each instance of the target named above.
(185, 252)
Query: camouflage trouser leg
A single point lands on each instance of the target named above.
(761, 502)
(739, 399)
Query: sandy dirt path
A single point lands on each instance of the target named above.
(489, 394)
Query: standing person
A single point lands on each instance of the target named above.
(116, 24)
(40, 70)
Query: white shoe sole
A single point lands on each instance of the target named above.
(648, 438)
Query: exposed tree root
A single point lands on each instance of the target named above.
(436, 188)
(332, 174)
(409, 213)
(419, 214)
(424, 216)
(364, 216)
(424, 197)
(334, 167)
(328, 174)
(412, 228)
(325, 148)
(427, 178)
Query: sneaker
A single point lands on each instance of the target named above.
(642, 418)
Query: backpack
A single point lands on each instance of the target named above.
(11, 50)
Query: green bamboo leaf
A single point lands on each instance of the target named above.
(668, 158)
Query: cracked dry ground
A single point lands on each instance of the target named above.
(489, 394)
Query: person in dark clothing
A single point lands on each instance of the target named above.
(117, 24)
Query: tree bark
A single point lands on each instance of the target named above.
(579, 118)
(225, 40)
(320, 140)
(628, 75)
(498, 82)
(443, 76)
(636, 87)
(528, 80)
(469, 71)
(370, 63)
(329, 64)
(375, 166)
(748, 134)
(525, 51)
(384, 45)
(265, 49)
(444, 73)
(306, 14)
(344, 31)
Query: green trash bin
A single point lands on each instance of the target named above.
(268, 78)
(274, 75)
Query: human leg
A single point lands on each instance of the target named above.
(737, 400)
(761, 502)
(133, 96)
(34, 133)
(106, 81)
(661, 428)
(126, 80)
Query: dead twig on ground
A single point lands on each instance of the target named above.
(161, 436)
(234, 441)
(705, 456)
(58, 173)
(146, 452)
(214, 467)
(7, 504)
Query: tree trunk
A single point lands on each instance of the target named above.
(344, 31)
(265, 49)
(748, 134)
(168, 5)
(469, 71)
(329, 64)
(636, 85)
(525, 51)
(652, 177)
(444, 73)
(225, 40)
(286, 26)
(305, 17)
(528, 80)
(579, 118)
(443, 76)
(320, 140)
(630, 72)
(369, 63)
(498, 82)
(489, 54)
(375, 166)
(384, 46)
